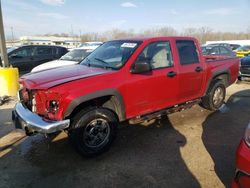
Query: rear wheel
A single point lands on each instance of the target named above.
(93, 131)
(215, 96)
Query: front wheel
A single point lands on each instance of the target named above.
(215, 96)
(93, 131)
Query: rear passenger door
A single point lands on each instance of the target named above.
(191, 73)
(42, 54)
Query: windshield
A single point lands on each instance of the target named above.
(76, 55)
(10, 49)
(244, 48)
(113, 54)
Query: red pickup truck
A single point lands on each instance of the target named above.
(134, 79)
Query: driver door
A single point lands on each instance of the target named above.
(156, 89)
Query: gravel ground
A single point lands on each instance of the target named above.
(192, 148)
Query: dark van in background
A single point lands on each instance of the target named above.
(25, 58)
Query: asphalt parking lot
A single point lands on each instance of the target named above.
(192, 148)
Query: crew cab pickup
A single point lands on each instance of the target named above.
(134, 79)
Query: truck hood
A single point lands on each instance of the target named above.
(52, 77)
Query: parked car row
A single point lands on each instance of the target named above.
(218, 50)
(231, 46)
(37, 57)
(73, 57)
(243, 51)
(240, 50)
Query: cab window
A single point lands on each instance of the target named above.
(157, 54)
(187, 52)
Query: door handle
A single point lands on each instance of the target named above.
(171, 74)
(198, 69)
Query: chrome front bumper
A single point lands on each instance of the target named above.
(24, 119)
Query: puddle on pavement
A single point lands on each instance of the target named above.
(30, 144)
(223, 109)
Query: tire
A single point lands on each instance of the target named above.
(93, 131)
(215, 96)
(239, 78)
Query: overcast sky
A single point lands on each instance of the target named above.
(31, 17)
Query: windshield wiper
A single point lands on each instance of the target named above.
(104, 62)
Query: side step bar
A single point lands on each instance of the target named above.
(166, 111)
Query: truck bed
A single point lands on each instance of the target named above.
(217, 64)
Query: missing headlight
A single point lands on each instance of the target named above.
(53, 106)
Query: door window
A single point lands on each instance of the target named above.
(215, 51)
(224, 51)
(24, 52)
(187, 52)
(43, 51)
(158, 54)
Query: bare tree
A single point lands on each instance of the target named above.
(203, 34)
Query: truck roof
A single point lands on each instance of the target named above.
(142, 39)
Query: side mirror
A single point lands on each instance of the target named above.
(141, 67)
(15, 56)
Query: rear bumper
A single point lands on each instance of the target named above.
(243, 75)
(24, 119)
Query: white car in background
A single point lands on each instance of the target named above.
(74, 56)
(90, 45)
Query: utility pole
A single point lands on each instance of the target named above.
(12, 35)
(4, 56)
(80, 36)
(71, 30)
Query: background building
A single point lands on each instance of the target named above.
(68, 42)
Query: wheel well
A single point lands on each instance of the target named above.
(223, 77)
(110, 102)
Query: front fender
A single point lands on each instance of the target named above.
(119, 102)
